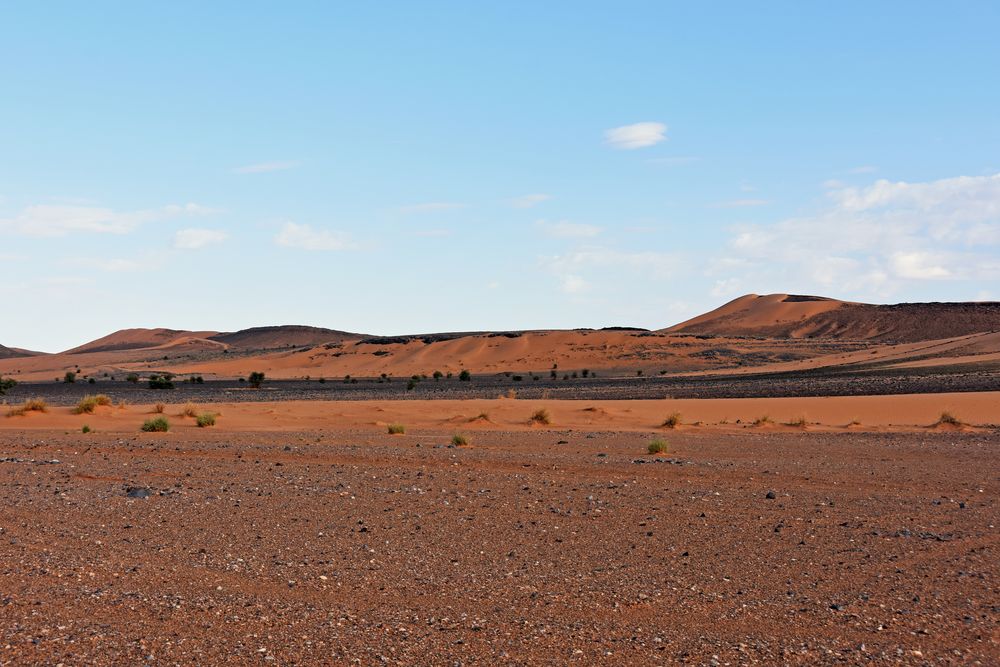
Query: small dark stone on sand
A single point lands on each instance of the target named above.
(138, 492)
(771, 495)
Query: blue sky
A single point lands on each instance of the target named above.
(407, 167)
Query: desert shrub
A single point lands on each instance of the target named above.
(132, 377)
(158, 425)
(91, 381)
(541, 416)
(465, 376)
(485, 416)
(585, 372)
(159, 408)
(322, 380)
(88, 404)
(657, 447)
(205, 419)
(949, 419)
(638, 373)
(438, 375)
(517, 378)
(763, 420)
(673, 421)
(85, 429)
(6, 384)
(410, 385)
(30, 405)
(553, 375)
(160, 382)
(397, 429)
(189, 410)
(256, 379)
(459, 440)
(799, 421)
(70, 377)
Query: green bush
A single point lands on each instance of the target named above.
(70, 377)
(6, 385)
(160, 382)
(158, 425)
(397, 429)
(459, 440)
(256, 379)
(132, 377)
(205, 419)
(85, 429)
(465, 376)
(657, 447)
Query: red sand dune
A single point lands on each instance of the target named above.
(794, 316)
(749, 334)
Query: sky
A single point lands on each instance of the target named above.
(405, 167)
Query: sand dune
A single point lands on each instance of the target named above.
(776, 332)
(792, 316)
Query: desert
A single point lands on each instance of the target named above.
(580, 507)
(448, 334)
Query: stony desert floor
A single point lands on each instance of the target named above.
(553, 545)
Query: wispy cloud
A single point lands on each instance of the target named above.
(740, 203)
(529, 201)
(304, 237)
(430, 207)
(51, 220)
(582, 269)
(637, 135)
(266, 167)
(193, 239)
(564, 229)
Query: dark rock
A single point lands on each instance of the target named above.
(771, 495)
(138, 492)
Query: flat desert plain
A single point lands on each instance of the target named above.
(304, 533)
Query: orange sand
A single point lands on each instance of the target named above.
(900, 412)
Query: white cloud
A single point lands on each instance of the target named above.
(637, 135)
(573, 284)
(305, 237)
(52, 220)
(192, 239)
(265, 167)
(869, 242)
(528, 201)
(430, 207)
(563, 229)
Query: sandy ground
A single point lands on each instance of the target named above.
(530, 546)
(898, 412)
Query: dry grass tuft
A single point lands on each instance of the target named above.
(948, 419)
(88, 404)
(397, 429)
(673, 421)
(541, 416)
(30, 405)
